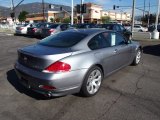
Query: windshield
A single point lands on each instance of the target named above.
(63, 39)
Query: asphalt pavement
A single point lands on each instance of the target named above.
(133, 93)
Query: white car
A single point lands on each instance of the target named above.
(138, 28)
(22, 29)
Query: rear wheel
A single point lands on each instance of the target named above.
(92, 82)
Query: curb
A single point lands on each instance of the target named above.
(147, 40)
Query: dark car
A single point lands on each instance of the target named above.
(53, 28)
(118, 28)
(37, 29)
(86, 25)
(152, 28)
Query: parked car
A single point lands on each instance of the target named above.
(119, 28)
(74, 61)
(53, 28)
(22, 29)
(138, 28)
(36, 30)
(152, 28)
(85, 26)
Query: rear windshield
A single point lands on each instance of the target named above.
(53, 26)
(38, 25)
(63, 39)
(24, 25)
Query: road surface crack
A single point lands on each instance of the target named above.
(109, 108)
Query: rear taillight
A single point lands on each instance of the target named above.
(58, 67)
(20, 28)
(47, 87)
(34, 29)
(51, 30)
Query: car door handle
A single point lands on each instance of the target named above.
(115, 51)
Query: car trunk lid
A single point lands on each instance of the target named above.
(39, 57)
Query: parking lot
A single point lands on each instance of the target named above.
(133, 93)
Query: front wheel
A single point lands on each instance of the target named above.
(92, 82)
(137, 58)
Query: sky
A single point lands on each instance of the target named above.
(125, 5)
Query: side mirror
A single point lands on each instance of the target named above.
(125, 30)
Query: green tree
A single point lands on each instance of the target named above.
(105, 19)
(51, 19)
(152, 19)
(22, 16)
(66, 20)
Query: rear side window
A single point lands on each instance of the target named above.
(98, 42)
(63, 39)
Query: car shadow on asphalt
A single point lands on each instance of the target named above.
(152, 50)
(14, 81)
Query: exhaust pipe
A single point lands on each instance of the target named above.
(48, 95)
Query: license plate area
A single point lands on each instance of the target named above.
(25, 82)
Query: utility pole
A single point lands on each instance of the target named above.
(12, 6)
(149, 14)
(155, 34)
(157, 16)
(72, 14)
(144, 8)
(82, 21)
(43, 10)
(133, 14)
(12, 9)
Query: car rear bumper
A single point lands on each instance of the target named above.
(64, 83)
(20, 32)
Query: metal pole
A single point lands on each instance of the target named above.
(133, 14)
(149, 14)
(144, 8)
(43, 10)
(72, 14)
(156, 22)
(11, 5)
(82, 21)
(12, 9)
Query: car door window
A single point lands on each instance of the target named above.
(119, 39)
(137, 26)
(121, 28)
(98, 42)
(116, 39)
(116, 28)
(63, 27)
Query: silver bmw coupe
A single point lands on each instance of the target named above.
(75, 61)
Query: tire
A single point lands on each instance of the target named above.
(92, 82)
(137, 58)
(130, 37)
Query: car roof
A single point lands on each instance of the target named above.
(87, 31)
